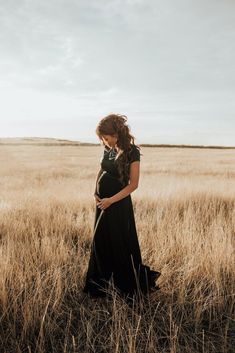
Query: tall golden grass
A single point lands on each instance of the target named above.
(185, 218)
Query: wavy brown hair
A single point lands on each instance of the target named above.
(116, 124)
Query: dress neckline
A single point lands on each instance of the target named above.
(112, 153)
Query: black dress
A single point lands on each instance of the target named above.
(115, 252)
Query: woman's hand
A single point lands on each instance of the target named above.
(104, 203)
(97, 199)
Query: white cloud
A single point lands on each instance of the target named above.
(148, 59)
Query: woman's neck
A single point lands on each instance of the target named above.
(116, 148)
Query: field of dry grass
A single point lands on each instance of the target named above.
(185, 218)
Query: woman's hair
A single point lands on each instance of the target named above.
(115, 124)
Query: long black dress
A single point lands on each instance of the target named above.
(115, 252)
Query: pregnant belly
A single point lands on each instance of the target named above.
(107, 185)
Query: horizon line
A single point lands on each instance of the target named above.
(69, 142)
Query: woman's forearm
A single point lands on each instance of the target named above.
(123, 193)
(99, 174)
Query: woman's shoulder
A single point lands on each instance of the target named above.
(134, 153)
(134, 147)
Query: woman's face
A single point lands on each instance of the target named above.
(109, 140)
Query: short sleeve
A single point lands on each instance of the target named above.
(134, 154)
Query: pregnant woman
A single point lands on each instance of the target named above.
(115, 252)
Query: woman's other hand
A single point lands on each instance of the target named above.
(97, 199)
(104, 203)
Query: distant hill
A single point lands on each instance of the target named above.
(41, 141)
(49, 141)
(186, 146)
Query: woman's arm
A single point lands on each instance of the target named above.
(99, 174)
(133, 185)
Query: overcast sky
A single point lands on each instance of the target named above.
(168, 65)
